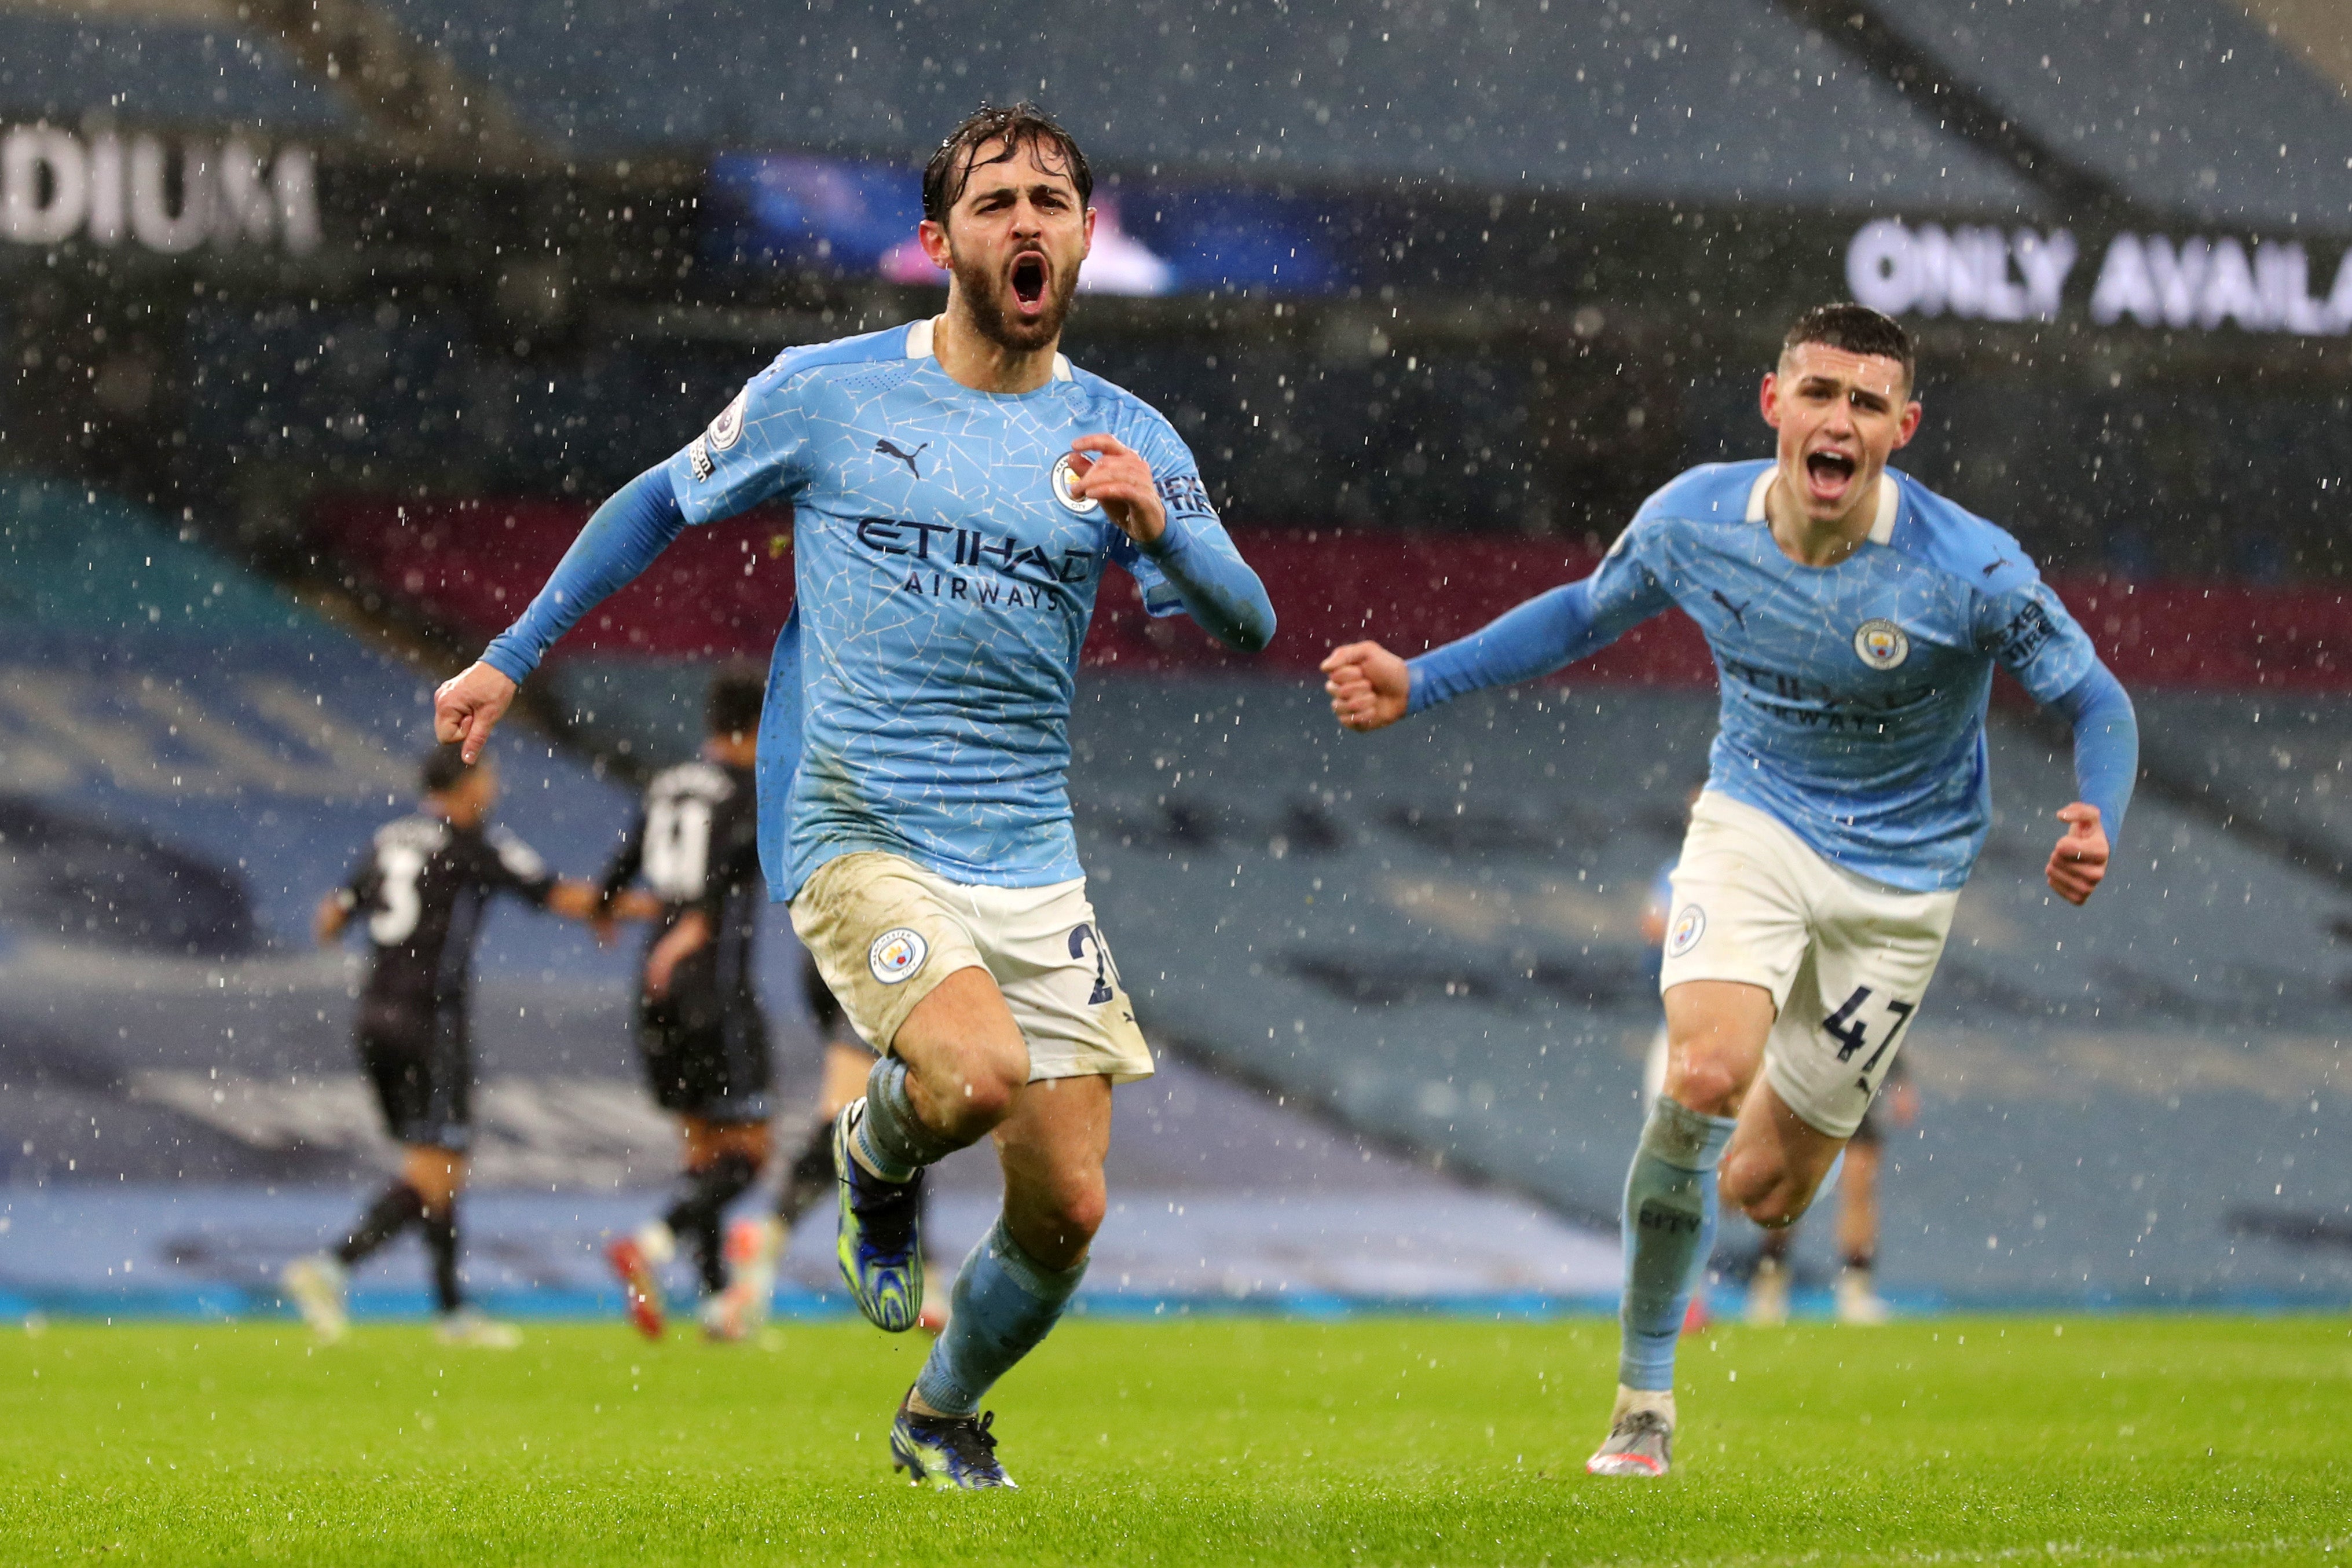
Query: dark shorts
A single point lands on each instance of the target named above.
(706, 1057)
(421, 1060)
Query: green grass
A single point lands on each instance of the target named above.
(1394, 1441)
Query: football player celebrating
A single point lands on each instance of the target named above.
(421, 887)
(958, 488)
(1855, 618)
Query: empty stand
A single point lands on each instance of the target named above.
(149, 68)
(1682, 99)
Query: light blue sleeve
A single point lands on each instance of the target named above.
(2106, 745)
(1194, 567)
(636, 524)
(2036, 639)
(753, 452)
(1551, 629)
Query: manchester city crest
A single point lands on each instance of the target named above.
(1881, 644)
(1064, 473)
(897, 953)
(1688, 927)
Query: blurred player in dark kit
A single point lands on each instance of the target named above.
(421, 887)
(700, 1033)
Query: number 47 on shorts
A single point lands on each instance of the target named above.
(1852, 1033)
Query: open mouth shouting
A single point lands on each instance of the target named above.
(1829, 475)
(1030, 276)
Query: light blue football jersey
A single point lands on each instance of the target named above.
(918, 700)
(1852, 696)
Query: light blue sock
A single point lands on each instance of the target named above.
(891, 1140)
(1006, 1301)
(1669, 1231)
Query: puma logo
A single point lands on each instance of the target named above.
(1739, 612)
(1996, 566)
(884, 448)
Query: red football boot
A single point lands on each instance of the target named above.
(639, 1288)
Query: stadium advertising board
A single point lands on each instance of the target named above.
(855, 217)
(168, 195)
(1990, 274)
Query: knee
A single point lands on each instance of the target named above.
(1708, 1087)
(982, 1087)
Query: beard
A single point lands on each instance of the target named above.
(983, 291)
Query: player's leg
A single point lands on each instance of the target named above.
(894, 944)
(1875, 951)
(1858, 1300)
(1768, 1285)
(1716, 1032)
(1047, 948)
(1015, 1284)
(395, 1056)
(437, 1166)
(1735, 937)
(944, 1083)
(638, 1258)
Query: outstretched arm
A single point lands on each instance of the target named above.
(2106, 765)
(628, 531)
(1372, 688)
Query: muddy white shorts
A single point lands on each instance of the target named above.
(884, 931)
(1847, 960)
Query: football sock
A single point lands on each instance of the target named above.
(396, 1208)
(1669, 1230)
(1777, 1243)
(891, 1140)
(1861, 1262)
(441, 1241)
(1006, 1301)
(810, 1179)
(658, 1242)
(701, 1203)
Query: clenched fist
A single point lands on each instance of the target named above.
(1369, 686)
(2080, 862)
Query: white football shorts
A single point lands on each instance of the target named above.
(884, 931)
(1847, 960)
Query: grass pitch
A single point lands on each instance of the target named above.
(1394, 1441)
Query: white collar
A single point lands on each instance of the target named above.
(1882, 526)
(918, 346)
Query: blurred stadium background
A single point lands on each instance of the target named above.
(326, 325)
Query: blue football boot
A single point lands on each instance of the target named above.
(959, 1451)
(880, 1244)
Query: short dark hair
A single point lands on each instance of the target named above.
(1858, 330)
(1017, 126)
(444, 769)
(737, 694)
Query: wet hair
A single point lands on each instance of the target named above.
(1019, 125)
(1858, 330)
(737, 694)
(444, 769)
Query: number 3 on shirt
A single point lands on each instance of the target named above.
(395, 922)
